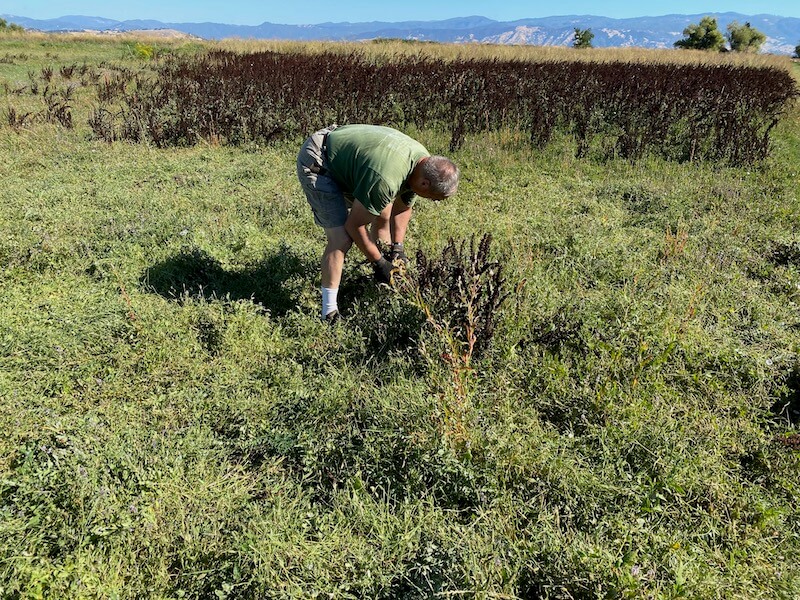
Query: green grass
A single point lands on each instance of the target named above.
(176, 422)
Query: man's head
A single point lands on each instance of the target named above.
(434, 177)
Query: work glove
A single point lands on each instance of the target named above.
(383, 270)
(397, 252)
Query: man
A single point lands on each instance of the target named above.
(361, 181)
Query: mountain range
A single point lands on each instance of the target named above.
(783, 33)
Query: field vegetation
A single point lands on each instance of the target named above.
(678, 111)
(605, 405)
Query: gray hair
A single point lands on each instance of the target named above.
(442, 173)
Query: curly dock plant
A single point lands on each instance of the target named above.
(460, 292)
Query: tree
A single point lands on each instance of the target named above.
(703, 36)
(744, 38)
(583, 38)
(6, 26)
(797, 51)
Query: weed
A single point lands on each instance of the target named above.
(17, 121)
(463, 290)
(674, 243)
(143, 51)
(673, 110)
(58, 106)
(34, 83)
(460, 293)
(67, 71)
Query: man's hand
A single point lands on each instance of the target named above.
(383, 271)
(397, 252)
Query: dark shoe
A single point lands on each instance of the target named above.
(333, 318)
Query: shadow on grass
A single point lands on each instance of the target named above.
(787, 408)
(196, 274)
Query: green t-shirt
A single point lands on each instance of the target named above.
(372, 164)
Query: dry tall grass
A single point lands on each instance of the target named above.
(400, 48)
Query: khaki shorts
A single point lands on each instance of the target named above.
(327, 201)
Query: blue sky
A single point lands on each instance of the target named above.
(248, 12)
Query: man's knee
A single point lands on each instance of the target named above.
(345, 246)
(338, 239)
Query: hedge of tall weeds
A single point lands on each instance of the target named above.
(680, 111)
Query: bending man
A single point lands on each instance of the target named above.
(361, 181)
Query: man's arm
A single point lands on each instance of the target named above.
(356, 227)
(401, 215)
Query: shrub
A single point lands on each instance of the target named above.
(141, 51)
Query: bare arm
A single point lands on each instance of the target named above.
(356, 227)
(401, 215)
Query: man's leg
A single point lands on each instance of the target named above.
(332, 263)
(330, 212)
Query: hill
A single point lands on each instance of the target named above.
(783, 33)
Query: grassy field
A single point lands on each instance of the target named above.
(176, 422)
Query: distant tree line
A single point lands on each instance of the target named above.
(706, 36)
(10, 27)
(702, 36)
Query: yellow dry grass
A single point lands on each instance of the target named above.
(399, 49)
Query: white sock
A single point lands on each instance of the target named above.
(329, 297)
